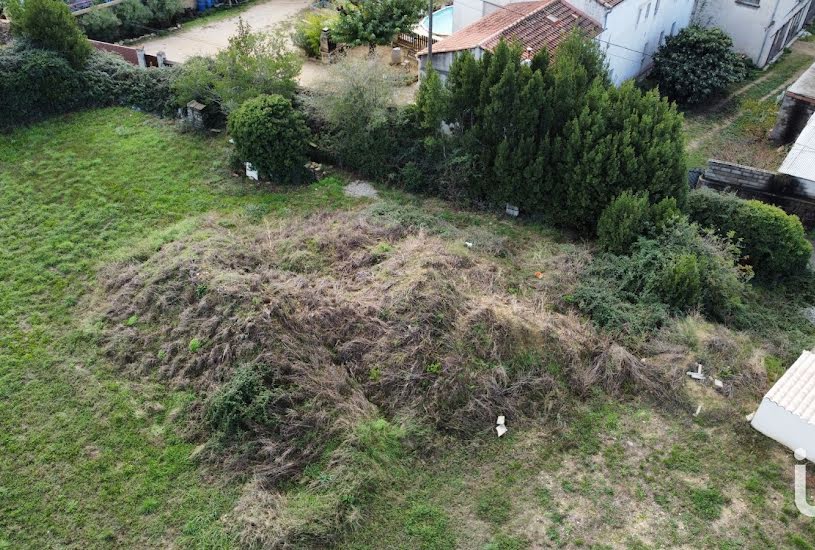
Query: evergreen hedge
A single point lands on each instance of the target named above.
(557, 137)
(772, 241)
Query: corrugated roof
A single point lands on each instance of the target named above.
(536, 25)
(795, 390)
(804, 87)
(800, 161)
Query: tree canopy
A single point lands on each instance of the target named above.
(48, 24)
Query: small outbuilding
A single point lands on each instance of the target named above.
(787, 412)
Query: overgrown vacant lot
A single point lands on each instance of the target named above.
(186, 360)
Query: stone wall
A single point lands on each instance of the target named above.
(753, 183)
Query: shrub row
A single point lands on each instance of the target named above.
(771, 241)
(37, 83)
(130, 19)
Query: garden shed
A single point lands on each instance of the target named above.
(787, 412)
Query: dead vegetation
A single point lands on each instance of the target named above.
(306, 334)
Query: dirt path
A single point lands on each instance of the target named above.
(210, 38)
(803, 47)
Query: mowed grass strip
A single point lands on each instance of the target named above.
(88, 459)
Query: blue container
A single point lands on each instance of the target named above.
(201, 5)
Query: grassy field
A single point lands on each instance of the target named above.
(97, 455)
(734, 128)
(88, 458)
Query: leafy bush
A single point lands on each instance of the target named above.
(270, 134)
(253, 64)
(38, 83)
(772, 241)
(307, 31)
(49, 24)
(628, 217)
(375, 22)
(697, 63)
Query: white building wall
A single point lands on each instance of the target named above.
(754, 24)
(466, 12)
(634, 29)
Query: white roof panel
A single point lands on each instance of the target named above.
(795, 390)
(800, 161)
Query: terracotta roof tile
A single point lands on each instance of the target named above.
(536, 25)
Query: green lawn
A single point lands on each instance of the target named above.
(88, 458)
(729, 131)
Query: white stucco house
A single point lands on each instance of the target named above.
(760, 29)
(535, 25)
(630, 31)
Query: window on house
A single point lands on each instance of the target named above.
(647, 10)
(656, 8)
(673, 28)
(639, 16)
(661, 38)
(750, 3)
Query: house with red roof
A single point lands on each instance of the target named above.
(628, 31)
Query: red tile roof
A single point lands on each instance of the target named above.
(536, 25)
(130, 54)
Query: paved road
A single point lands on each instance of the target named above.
(208, 39)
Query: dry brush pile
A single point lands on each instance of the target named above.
(324, 339)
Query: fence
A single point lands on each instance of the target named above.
(412, 42)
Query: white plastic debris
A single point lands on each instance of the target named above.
(698, 410)
(251, 172)
(512, 210)
(697, 375)
(718, 383)
(468, 244)
(500, 427)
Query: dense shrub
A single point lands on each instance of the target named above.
(253, 64)
(629, 217)
(697, 63)
(49, 24)
(130, 19)
(270, 134)
(681, 268)
(307, 31)
(243, 404)
(772, 241)
(36, 83)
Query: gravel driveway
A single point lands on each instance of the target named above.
(209, 38)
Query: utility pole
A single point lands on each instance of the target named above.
(430, 34)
